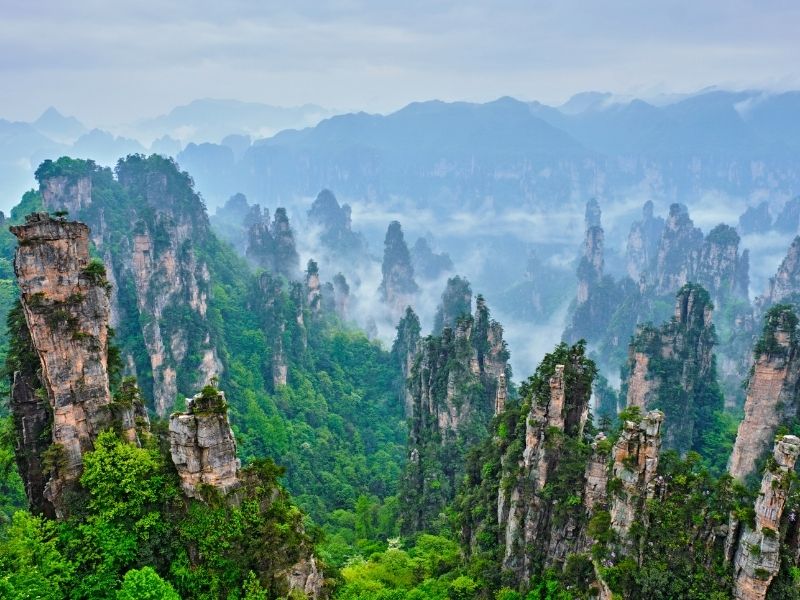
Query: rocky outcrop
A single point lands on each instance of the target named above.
(231, 221)
(404, 351)
(772, 390)
(756, 219)
(70, 193)
(673, 368)
(64, 297)
(202, 445)
(452, 396)
(635, 456)
(313, 288)
(789, 219)
(335, 228)
(643, 241)
(145, 225)
(677, 251)
(597, 295)
(757, 559)
(535, 531)
(786, 282)
(428, 264)
(596, 475)
(271, 246)
(305, 577)
(397, 288)
(341, 295)
(456, 303)
(590, 270)
(720, 268)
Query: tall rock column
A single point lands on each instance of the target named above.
(635, 456)
(771, 391)
(673, 368)
(397, 287)
(65, 301)
(202, 445)
(757, 559)
(643, 243)
(787, 279)
(677, 251)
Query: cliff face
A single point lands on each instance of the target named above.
(456, 302)
(720, 268)
(427, 263)
(404, 351)
(145, 224)
(680, 243)
(757, 559)
(536, 532)
(673, 368)
(635, 456)
(72, 194)
(64, 298)
(336, 234)
(771, 391)
(341, 294)
(202, 445)
(786, 282)
(271, 246)
(598, 295)
(397, 287)
(643, 241)
(452, 395)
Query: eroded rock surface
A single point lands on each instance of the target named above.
(771, 391)
(202, 445)
(757, 559)
(65, 302)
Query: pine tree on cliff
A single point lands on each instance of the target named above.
(398, 282)
(456, 302)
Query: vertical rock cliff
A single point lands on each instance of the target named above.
(677, 251)
(456, 302)
(643, 241)
(772, 390)
(635, 456)
(398, 287)
(64, 297)
(453, 390)
(404, 351)
(202, 445)
(720, 268)
(673, 368)
(336, 234)
(757, 558)
(271, 246)
(146, 224)
(428, 264)
(598, 295)
(786, 282)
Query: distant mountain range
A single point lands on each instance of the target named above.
(444, 155)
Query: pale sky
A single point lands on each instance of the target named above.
(114, 62)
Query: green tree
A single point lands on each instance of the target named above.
(145, 584)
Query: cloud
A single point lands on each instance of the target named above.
(113, 62)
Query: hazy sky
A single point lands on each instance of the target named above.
(110, 62)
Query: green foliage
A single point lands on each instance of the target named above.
(31, 563)
(427, 570)
(145, 584)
